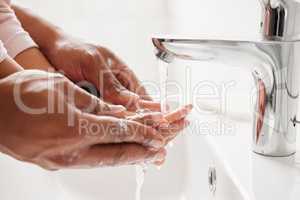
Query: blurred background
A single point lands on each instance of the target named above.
(127, 26)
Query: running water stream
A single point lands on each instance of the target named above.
(163, 72)
(142, 168)
(140, 171)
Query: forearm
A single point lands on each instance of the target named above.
(32, 58)
(43, 32)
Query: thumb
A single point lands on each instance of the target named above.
(108, 85)
(114, 92)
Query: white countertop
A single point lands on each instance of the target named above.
(258, 177)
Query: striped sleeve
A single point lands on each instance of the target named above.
(12, 34)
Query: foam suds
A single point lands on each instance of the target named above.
(171, 144)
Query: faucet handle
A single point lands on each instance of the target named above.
(274, 20)
(279, 19)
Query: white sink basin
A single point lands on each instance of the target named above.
(21, 181)
(183, 177)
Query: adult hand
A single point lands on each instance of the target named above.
(81, 61)
(116, 82)
(47, 120)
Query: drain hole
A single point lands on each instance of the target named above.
(212, 179)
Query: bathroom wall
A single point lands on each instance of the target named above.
(215, 17)
(125, 26)
(234, 19)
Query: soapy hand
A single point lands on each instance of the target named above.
(62, 126)
(168, 125)
(102, 134)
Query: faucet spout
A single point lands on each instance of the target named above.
(275, 68)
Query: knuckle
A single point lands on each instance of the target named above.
(125, 72)
(92, 55)
(115, 89)
(103, 108)
(128, 71)
(107, 53)
(103, 49)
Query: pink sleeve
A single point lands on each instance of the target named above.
(3, 53)
(13, 36)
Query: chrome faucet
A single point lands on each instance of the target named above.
(274, 60)
(280, 19)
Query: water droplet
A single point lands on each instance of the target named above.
(163, 71)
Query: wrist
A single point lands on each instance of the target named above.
(55, 36)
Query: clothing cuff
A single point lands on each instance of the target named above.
(3, 52)
(20, 42)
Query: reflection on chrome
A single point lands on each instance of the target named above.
(274, 60)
